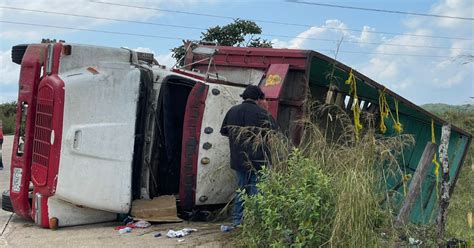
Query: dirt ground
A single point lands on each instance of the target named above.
(17, 232)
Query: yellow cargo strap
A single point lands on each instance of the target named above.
(435, 160)
(355, 107)
(383, 106)
(397, 125)
(406, 178)
(385, 111)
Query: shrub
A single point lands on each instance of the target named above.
(7, 116)
(292, 208)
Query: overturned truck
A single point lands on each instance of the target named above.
(98, 128)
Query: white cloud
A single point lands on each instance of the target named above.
(163, 59)
(301, 40)
(461, 8)
(9, 71)
(419, 78)
(413, 73)
(77, 7)
(367, 34)
(334, 30)
(8, 96)
(166, 59)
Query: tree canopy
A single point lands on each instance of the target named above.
(240, 33)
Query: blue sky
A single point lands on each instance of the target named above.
(421, 74)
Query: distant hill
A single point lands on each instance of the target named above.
(460, 115)
(440, 108)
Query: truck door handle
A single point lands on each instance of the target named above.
(77, 139)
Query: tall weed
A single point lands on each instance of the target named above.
(327, 190)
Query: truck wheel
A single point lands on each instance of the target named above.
(6, 202)
(17, 53)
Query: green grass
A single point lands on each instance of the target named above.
(461, 203)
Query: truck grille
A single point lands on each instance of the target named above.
(43, 127)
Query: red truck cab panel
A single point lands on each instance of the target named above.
(47, 144)
(273, 85)
(35, 157)
(31, 68)
(47, 135)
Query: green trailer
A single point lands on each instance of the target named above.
(416, 121)
(289, 76)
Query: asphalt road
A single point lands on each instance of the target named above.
(17, 232)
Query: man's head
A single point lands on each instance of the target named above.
(253, 92)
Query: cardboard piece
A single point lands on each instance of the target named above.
(159, 209)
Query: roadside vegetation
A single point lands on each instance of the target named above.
(7, 117)
(328, 191)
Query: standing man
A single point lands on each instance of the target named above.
(248, 118)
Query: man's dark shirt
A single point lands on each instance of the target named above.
(247, 114)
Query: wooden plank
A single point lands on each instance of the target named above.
(340, 99)
(415, 185)
(331, 96)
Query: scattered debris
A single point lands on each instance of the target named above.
(131, 225)
(180, 240)
(122, 227)
(157, 235)
(180, 233)
(413, 241)
(125, 230)
(142, 224)
(225, 228)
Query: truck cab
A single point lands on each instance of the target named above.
(100, 127)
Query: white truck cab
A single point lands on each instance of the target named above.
(113, 126)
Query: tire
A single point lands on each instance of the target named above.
(6, 202)
(18, 52)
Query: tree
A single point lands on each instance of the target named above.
(240, 33)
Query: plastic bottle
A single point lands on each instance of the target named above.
(125, 230)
